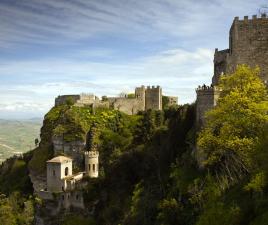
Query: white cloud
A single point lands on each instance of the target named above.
(177, 71)
(183, 32)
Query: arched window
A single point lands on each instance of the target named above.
(89, 167)
(66, 171)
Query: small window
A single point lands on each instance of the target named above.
(77, 197)
(62, 188)
(93, 167)
(66, 171)
(62, 197)
(89, 167)
(54, 173)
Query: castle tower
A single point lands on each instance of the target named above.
(207, 97)
(153, 98)
(58, 168)
(248, 44)
(140, 95)
(92, 163)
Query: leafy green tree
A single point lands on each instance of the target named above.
(165, 102)
(69, 101)
(131, 95)
(234, 127)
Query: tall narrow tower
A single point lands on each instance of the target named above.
(92, 163)
(153, 98)
(140, 95)
(206, 99)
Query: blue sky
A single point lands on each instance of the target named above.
(53, 47)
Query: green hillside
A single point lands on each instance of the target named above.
(156, 168)
(17, 136)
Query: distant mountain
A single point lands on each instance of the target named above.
(18, 136)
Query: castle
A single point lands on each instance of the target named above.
(65, 188)
(248, 44)
(143, 99)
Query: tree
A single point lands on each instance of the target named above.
(131, 95)
(165, 102)
(36, 141)
(70, 101)
(235, 126)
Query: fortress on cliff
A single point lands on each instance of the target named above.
(145, 98)
(248, 44)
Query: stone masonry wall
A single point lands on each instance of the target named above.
(153, 98)
(61, 99)
(129, 106)
(207, 98)
(145, 98)
(248, 44)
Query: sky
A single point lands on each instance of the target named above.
(55, 47)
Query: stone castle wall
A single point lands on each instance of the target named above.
(144, 99)
(61, 99)
(129, 106)
(248, 44)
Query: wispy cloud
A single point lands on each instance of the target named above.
(40, 21)
(166, 69)
(57, 47)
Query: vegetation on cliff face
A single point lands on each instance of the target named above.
(16, 202)
(149, 174)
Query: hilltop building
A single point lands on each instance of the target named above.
(248, 44)
(66, 185)
(145, 98)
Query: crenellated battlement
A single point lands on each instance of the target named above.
(253, 18)
(153, 87)
(206, 88)
(248, 44)
(91, 154)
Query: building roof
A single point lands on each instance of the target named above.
(59, 159)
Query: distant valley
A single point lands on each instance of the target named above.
(18, 136)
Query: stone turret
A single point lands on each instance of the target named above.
(92, 163)
(206, 99)
(140, 96)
